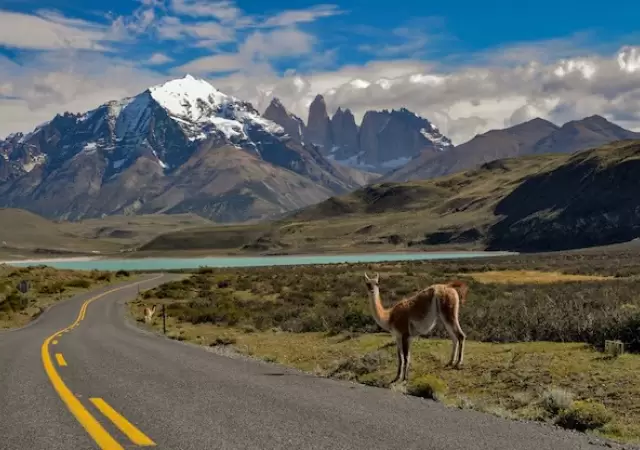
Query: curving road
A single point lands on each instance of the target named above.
(117, 387)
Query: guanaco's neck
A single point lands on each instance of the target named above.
(380, 314)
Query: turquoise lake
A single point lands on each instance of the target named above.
(251, 261)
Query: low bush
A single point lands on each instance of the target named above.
(584, 415)
(428, 386)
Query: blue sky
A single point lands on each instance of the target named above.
(468, 66)
(354, 32)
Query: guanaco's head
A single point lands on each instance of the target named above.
(372, 283)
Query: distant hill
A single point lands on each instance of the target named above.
(532, 203)
(536, 136)
(23, 233)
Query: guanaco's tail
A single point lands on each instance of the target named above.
(461, 287)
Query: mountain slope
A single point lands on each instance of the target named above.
(533, 137)
(531, 203)
(127, 156)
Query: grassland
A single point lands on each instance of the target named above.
(536, 326)
(45, 287)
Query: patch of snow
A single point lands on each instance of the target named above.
(117, 164)
(395, 163)
(268, 125)
(438, 140)
(162, 163)
(353, 162)
(230, 128)
(90, 146)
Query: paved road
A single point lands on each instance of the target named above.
(172, 395)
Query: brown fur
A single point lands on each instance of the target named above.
(461, 288)
(417, 315)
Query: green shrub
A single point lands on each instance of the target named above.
(427, 386)
(555, 400)
(15, 301)
(54, 287)
(584, 415)
(82, 283)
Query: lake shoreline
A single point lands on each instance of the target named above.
(172, 263)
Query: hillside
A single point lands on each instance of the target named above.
(532, 203)
(25, 234)
(536, 136)
(178, 147)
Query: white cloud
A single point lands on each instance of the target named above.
(225, 11)
(50, 31)
(256, 50)
(159, 58)
(212, 64)
(172, 28)
(292, 17)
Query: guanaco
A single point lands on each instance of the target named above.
(417, 316)
(148, 313)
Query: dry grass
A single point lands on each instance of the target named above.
(530, 277)
(46, 286)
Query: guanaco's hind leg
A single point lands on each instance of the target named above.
(406, 353)
(400, 359)
(448, 314)
(461, 339)
(457, 337)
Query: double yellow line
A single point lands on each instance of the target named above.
(104, 440)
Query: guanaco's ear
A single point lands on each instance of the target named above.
(377, 279)
(366, 277)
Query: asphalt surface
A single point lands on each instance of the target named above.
(181, 396)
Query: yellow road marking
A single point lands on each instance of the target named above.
(104, 440)
(60, 359)
(136, 436)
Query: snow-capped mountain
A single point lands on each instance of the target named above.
(133, 154)
(385, 140)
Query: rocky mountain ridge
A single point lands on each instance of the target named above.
(385, 140)
(164, 150)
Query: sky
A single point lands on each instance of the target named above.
(467, 66)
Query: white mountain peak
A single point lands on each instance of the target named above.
(181, 97)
